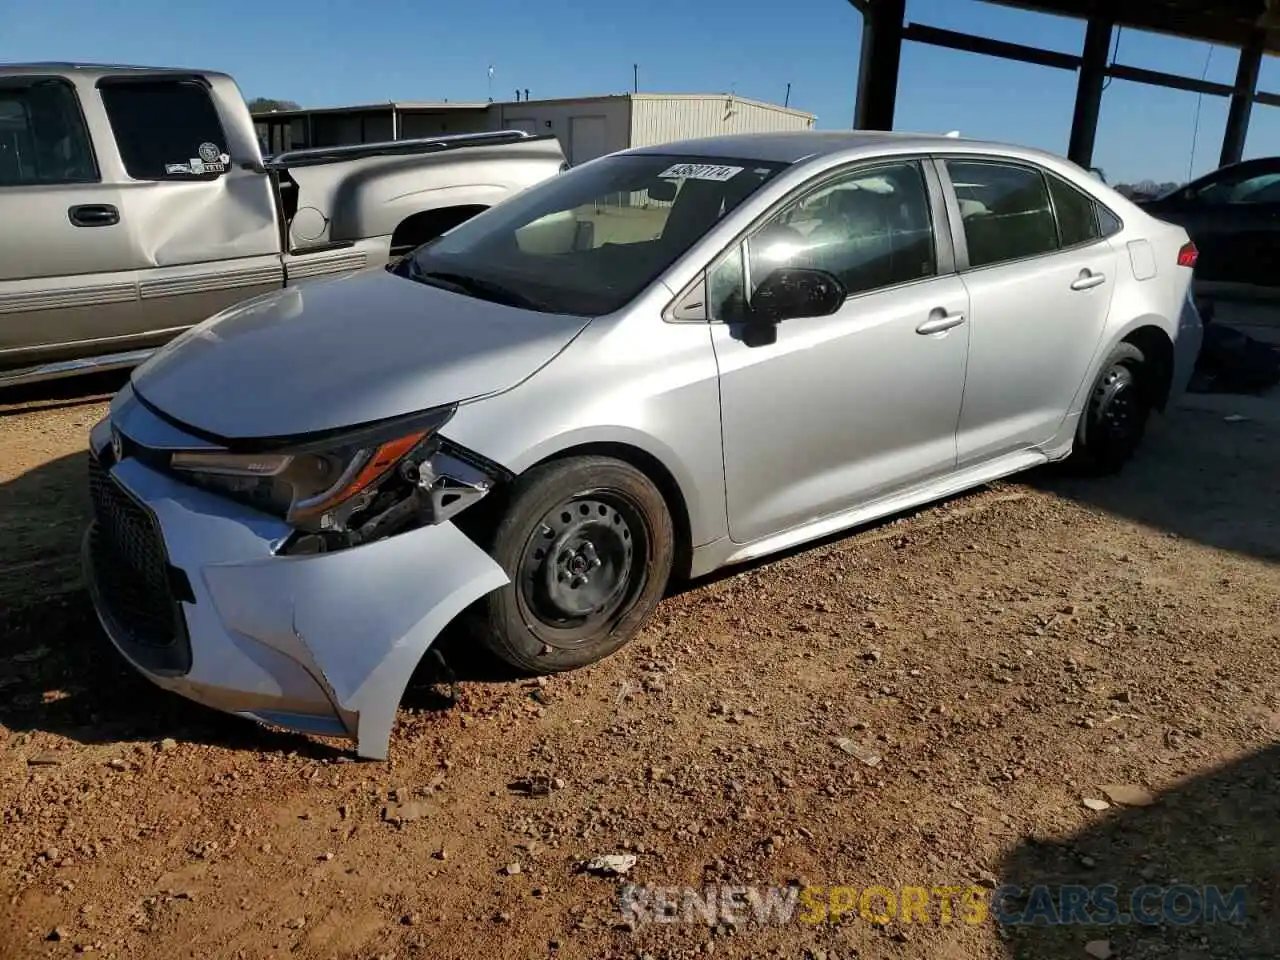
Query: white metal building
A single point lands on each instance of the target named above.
(587, 127)
(590, 127)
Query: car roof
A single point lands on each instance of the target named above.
(799, 145)
(92, 71)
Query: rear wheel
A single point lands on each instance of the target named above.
(1114, 421)
(588, 544)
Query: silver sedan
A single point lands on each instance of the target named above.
(654, 365)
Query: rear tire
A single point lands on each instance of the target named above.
(1115, 419)
(588, 543)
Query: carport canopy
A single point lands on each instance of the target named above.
(1251, 26)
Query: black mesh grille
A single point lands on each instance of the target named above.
(132, 574)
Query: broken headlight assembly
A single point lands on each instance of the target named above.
(349, 488)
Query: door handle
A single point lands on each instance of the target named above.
(94, 215)
(940, 322)
(1087, 281)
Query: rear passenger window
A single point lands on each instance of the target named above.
(872, 228)
(1077, 214)
(1005, 211)
(166, 129)
(43, 139)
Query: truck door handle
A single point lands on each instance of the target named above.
(940, 322)
(94, 215)
(1088, 280)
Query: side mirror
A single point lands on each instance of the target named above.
(790, 293)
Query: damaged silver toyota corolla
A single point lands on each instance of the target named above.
(663, 361)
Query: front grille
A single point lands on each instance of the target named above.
(132, 574)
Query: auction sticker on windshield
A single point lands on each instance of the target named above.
(699, 171)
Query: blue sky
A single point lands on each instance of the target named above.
(322, 53)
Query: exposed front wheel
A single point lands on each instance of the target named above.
(588, 544)
(1115, 418)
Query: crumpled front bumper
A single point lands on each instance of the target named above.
(322, 643)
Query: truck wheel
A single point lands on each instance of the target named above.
(1115, 419)
(588, 543)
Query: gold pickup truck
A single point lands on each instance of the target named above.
(135, 202)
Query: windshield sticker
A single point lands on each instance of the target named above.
(176, 168)
(196, 165)
(700, 171)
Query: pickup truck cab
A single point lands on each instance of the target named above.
(136, 202)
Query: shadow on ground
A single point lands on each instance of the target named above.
(1202, 862)
(61, 394)
(1199, 476)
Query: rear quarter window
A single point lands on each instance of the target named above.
(1077, 213)
(1108, 222)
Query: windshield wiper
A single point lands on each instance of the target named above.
(476, 287)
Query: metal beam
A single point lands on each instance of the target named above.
(1188, 20)
(970, 43)
(880, 64)
(1093, 79)
(1247, 71)
(1268, 99)
(1171, 80)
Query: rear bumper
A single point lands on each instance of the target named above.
(1186, 349)
(321, 644)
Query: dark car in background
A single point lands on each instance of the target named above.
(1233, 215)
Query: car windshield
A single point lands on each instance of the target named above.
(590, 240)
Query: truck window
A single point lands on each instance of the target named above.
(43, 138)
(166, 129)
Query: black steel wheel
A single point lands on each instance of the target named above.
(588, 544)
(1115, 419)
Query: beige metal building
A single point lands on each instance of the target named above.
(587, 127)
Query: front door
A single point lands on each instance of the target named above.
(847, 408)
(1040, 277)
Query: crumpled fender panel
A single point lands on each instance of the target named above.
(337, 633)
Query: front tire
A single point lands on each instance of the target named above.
(588, 543)
(1115, 419)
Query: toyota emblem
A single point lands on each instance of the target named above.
(117, 445)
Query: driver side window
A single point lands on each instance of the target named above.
(872, 228)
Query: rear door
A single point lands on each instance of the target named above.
(202, 222)
(1040, 277)
(66, 265)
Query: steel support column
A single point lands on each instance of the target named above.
(1242, 98)
(882, 24)
(1093, 75)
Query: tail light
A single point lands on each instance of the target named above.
(1188, 255)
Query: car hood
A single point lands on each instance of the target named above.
(336, 353)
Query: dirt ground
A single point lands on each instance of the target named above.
(1006, 656)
